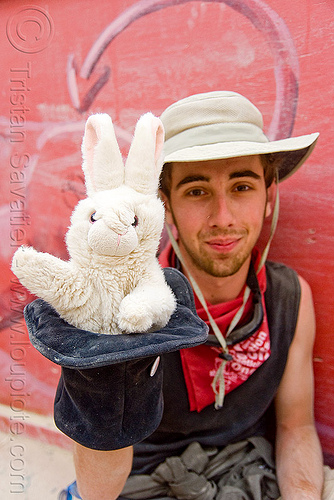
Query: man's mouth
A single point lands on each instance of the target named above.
(223, 244)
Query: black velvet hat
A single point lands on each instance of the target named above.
(110, 391)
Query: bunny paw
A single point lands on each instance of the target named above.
(23, 257)
(134, 316)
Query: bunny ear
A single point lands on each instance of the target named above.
(102, 160)
(144, 162)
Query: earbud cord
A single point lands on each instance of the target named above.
(218, 380)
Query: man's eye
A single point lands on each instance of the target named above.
(196, 192)
(242, 187)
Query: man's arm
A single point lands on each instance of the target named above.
(298, 451)
(101, 474)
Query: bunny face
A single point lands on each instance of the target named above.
(115, 223)
(122, 215)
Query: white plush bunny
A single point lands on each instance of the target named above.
(113, 282)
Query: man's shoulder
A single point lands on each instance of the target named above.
(283, 291)
(278, 273)
(277, 265)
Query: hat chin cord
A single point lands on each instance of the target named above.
(218, 383)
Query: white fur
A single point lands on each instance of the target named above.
(113, 282)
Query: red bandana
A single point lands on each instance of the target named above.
(200, 364)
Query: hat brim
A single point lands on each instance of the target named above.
(293, 152)
(72, 347)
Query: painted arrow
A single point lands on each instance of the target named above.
(263, 17)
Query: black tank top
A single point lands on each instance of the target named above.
(248, 409)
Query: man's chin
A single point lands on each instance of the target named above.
(221, 269)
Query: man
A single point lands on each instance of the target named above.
(218, 185)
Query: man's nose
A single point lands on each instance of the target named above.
(221, 213)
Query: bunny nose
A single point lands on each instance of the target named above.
(119, 236)
(104, 240)
(117, 224)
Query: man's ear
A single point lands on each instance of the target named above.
(168, 212)
(271, 196)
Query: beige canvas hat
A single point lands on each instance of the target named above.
(225, 124)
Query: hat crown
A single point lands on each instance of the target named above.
(207, 109)
(223, 124)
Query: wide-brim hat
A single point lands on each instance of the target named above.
(223, 124)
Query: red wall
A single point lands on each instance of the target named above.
(62, 61)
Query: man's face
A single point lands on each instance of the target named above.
(218, 207)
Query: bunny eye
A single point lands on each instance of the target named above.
(92, 217)
(135, 222)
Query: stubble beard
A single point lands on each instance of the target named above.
(220, 266)
(224, 265)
